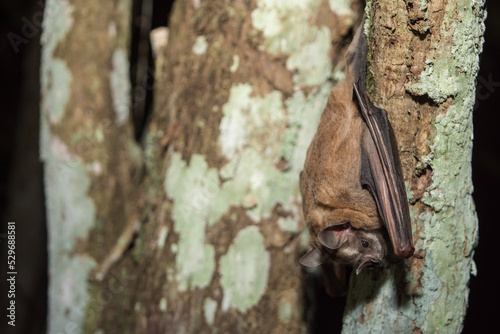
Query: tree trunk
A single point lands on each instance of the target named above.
(239, 94)
(90, 159)
(423, 66)
(199, 229)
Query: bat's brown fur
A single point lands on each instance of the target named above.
(330, 182)
(353, 148)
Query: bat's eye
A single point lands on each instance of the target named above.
(365, 243)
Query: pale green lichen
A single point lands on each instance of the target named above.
(200, 45)
(56, 24)
(251, 137)
(311, 63)
(244, 270)
(368, 23)
(163, 304)
(436, 81)
(286, 28)
(398, 311)
(70, 212)
(409, 193)
(300, 107)
(341, 7)
(236, 64)
(338, 73)
(423, 5)
(247, 121)
(251, 178)
(192, 189)
(258, 177)
(55, 100)
(246, 139)
(99, 134)
(66, 183)
(162, 237)
(288, 224)
(209, 309)
(120, 85)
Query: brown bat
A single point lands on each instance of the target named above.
(353, 192)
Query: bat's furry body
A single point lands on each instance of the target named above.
(334, 200)
(354, 198)
(330, 183)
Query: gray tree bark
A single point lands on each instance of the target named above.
(198, 229)
(90, 159)
(423, 66)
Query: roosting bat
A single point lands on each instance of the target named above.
(352, 185)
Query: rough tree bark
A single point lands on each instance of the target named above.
(423, 66)
(228, 140)
(198, 229)
(91, 161)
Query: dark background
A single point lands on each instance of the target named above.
(21, 187)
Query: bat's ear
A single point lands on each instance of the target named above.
(356, 56)
(333, 236)
(313, 258)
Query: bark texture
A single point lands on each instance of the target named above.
(199, 229)
(240, 90)
(424, 59)
(90, 158)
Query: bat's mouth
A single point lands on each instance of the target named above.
(367, 264)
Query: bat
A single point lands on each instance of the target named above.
(353, 194)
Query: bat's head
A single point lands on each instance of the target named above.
(346, 244)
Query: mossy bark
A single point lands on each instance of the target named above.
(424, 59)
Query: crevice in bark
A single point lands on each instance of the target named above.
(146, 16)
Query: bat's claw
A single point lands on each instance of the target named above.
(417, 256)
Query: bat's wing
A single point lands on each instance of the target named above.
(381, 172)
(356, 57)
